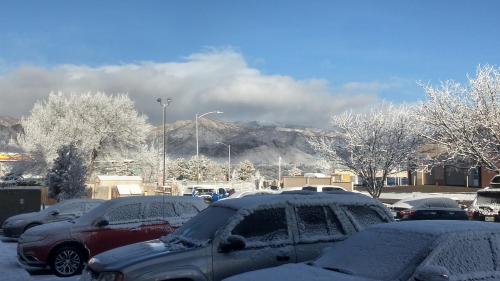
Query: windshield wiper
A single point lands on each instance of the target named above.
(348, 272)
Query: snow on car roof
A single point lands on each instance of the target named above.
(302, 197)
(438, 227)
(426, 202)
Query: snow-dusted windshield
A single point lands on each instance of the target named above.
(202, 227)
(377, 254)
(488, 198)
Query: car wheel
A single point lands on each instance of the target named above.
(67, 261)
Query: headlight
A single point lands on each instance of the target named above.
(110, 276)
(32, 238)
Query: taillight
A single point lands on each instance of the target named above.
(471, 214)
(406, 214)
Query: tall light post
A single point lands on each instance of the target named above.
(198, 116)
(229, 159)
(164, 106)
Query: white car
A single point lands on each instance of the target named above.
(404, 251)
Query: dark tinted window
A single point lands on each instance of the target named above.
(125, 213)
(310, 188)
(203, 226)
(466, 256)
(365, 215)
(264, 226)
(311, 222)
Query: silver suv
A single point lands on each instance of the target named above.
(239, 235)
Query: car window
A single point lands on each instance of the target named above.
(265, 226)
(71, 208)
(312, 223)
(364, 215)
(466, 256)
(158, 210)
(91, 205)
(125, 213)
(185, 209)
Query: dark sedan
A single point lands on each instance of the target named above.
(431, 208)
(16, 225)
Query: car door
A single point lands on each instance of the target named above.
(467, 258)
(318, 227)
(123, 229)
(268, 242)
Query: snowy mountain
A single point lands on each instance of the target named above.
(9, 129)
(259, 143)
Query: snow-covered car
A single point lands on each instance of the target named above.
(65, 246)
(241, 194)
(428, 208)
(406, 251)
(486, 205)
(243, 234)
(16, 225)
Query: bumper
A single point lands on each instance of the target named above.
(487, 218)
(28, 261)
(12, 232)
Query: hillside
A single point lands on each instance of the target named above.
(261, 144)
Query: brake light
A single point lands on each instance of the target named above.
(406, 214)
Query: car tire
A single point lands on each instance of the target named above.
(67, 261)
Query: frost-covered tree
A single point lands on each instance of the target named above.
(372, 144)
(245, 170)
(294, 171)
(98, 125)
(464, 120)
(66, 178)
(183, 169)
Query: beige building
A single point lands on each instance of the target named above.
(109, 187)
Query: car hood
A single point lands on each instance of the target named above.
(24, 216)
(295, 272)
(52, 228)
(121, 257)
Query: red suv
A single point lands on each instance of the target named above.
(66, 246)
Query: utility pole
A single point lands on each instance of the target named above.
(164, 106)
(279, 171)
(197, 145)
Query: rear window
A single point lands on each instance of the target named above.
(365, 215)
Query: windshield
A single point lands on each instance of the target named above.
(391, 252)
(203, 226)
(488, 198)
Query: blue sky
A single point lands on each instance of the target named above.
(390, 44)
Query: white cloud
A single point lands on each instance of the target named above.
(214, 80)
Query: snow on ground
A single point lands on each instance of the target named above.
(10, 270)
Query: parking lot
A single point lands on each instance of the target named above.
(11, 271)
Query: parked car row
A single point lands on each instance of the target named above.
(308, 235)
(66, 246)
(238, 235)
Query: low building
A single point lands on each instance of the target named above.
(109, 187)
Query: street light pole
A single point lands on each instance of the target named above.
(164, 106)
(229, 160)
(197, 116)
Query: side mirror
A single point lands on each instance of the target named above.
(54, 212)
(102, 222)
(432, 273)
(232, 243)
